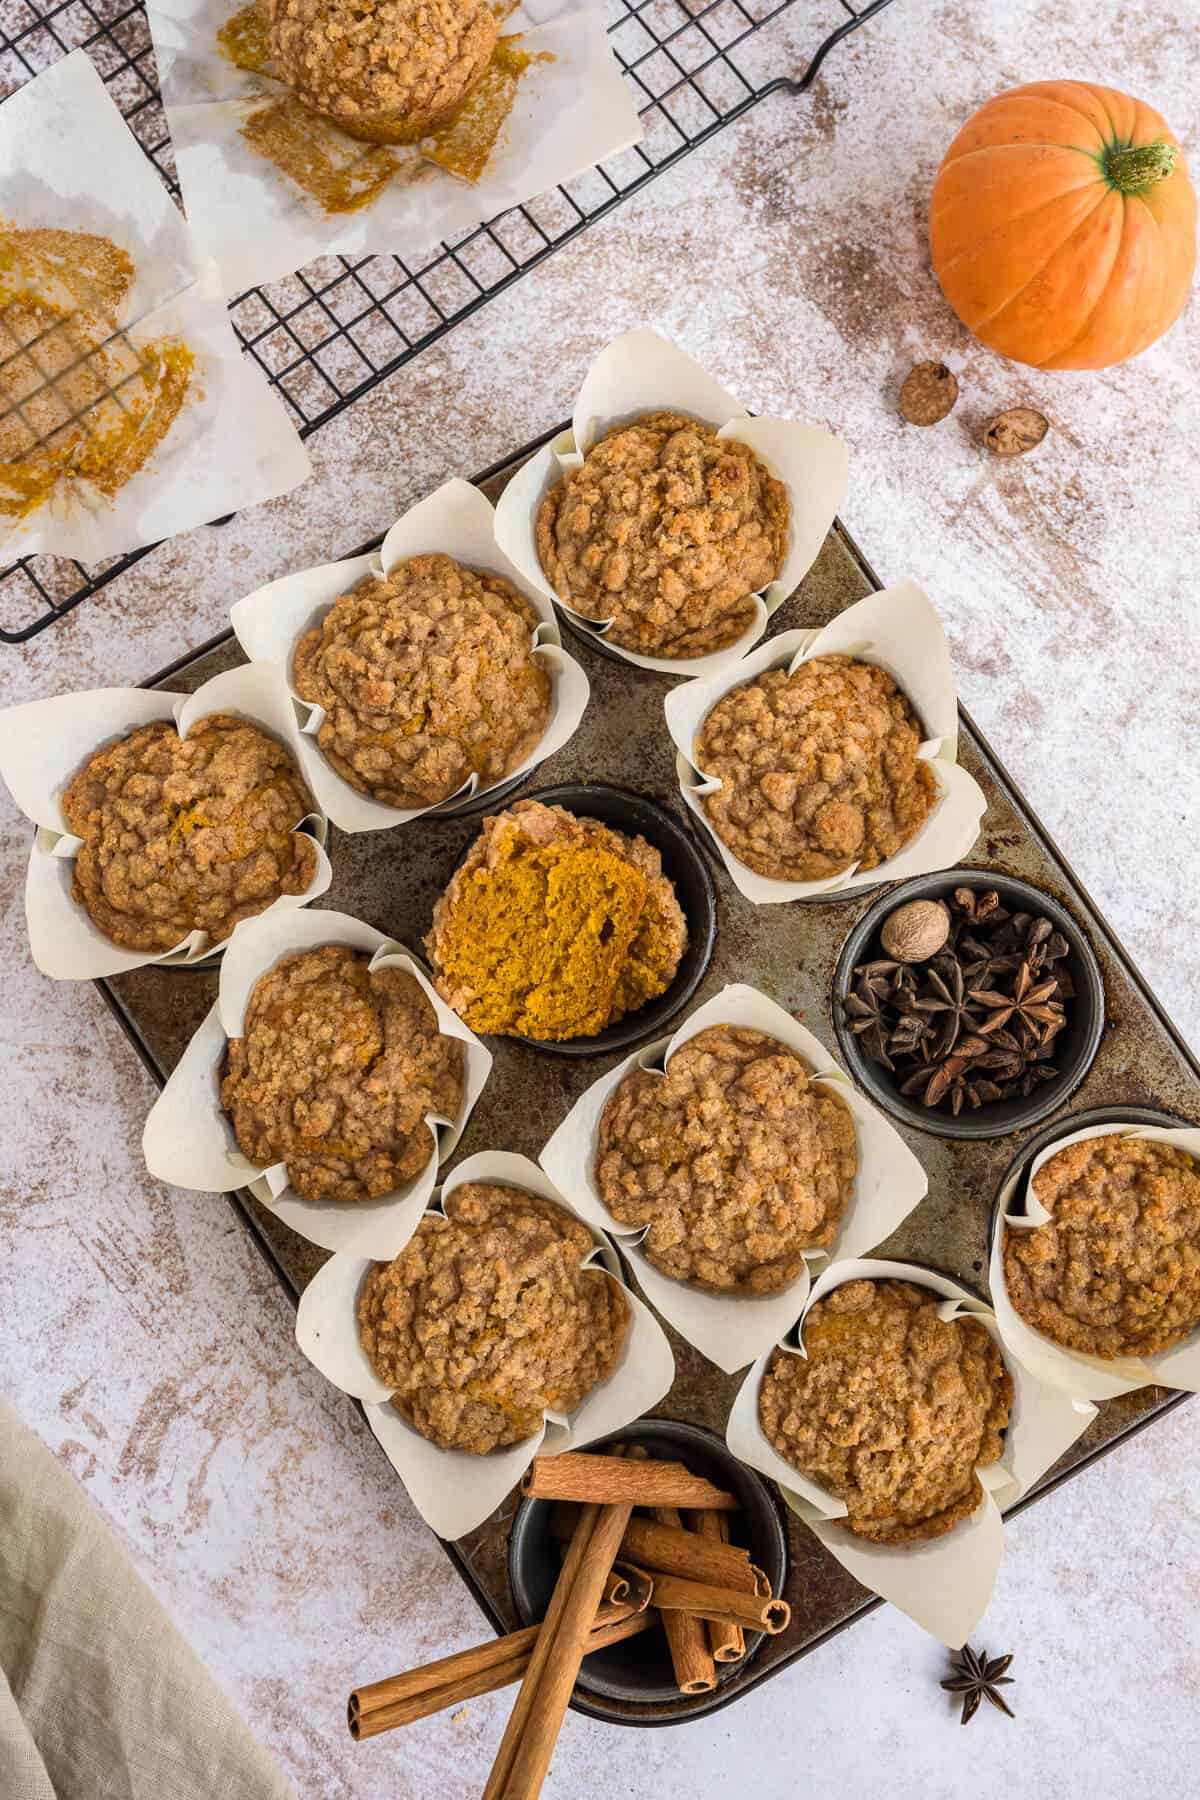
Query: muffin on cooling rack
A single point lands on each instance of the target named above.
(667, 530)
(389, 71)
(891, 1408)
(182, 834)
(487, 1319)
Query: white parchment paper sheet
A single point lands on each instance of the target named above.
(642, 372)
(189, 1140)
(457, 520)
(945, 1584)
(1093, 1377)
(44, 743)
(732, 1329)
(899, 630)
(572, 110)
(453, 1491)
(68, 162)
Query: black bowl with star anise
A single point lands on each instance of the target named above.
(991, 1033)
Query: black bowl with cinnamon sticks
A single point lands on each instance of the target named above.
(968, 1003)
(745, 1545)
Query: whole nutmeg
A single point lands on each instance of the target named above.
(1017, 431)
(915, 931)
(928, 394)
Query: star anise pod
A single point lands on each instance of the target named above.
(945, 1079)
(949, 998)
(1032, 1076)
(868, 1020)
(978, 904)
(976, 1676)
(906, 1039)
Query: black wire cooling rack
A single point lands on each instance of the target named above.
(325, 335)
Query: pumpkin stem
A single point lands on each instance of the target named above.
(1136, 167)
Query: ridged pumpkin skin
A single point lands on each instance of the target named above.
(1040, 246)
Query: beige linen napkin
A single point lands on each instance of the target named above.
(100, 1698)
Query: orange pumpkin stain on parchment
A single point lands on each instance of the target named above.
(79, 399)
(335, 170)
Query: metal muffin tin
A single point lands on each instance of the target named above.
(392, 879)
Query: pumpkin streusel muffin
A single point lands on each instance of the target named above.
(735, 1162)
(818, 770)
(891, 1409)
(389, 71)
(186, 834)
(668, 530)
(554, 927)
(486, 1319)
(427, 675)
(1116, 1270)
(336, 1073)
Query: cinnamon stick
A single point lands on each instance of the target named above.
(613, 1480)
(689, 1553)
(482, 1678)
(553, 1685)
(639, 1586)
(616, 1587)
(406, 1686)
(727, 1642)
(687, 1639)
(540, 1654)
(724, 1604)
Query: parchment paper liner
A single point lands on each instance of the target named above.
(642, 372)
(943, 1585)
(44, 743)
(898, 629)
(68, 162)
(189, 1140)
(573, 109)
(455, 519)
(453, 1491)
(1091, 1377)
(731, 1330)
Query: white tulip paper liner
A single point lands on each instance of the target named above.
(732, 1329)
(1090, 1377)
(453, 1491)
(44, 743)
(573, 109)
(943, 1585)
(189, 1139)
(642, 372)
(69, 162)
(457, 520)
(899, 630)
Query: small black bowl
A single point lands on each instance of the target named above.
(637, 815)
(640, 1669)
(1074, 1048)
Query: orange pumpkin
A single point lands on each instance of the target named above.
(1063, 225)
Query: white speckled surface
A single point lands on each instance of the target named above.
(139, 1333)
